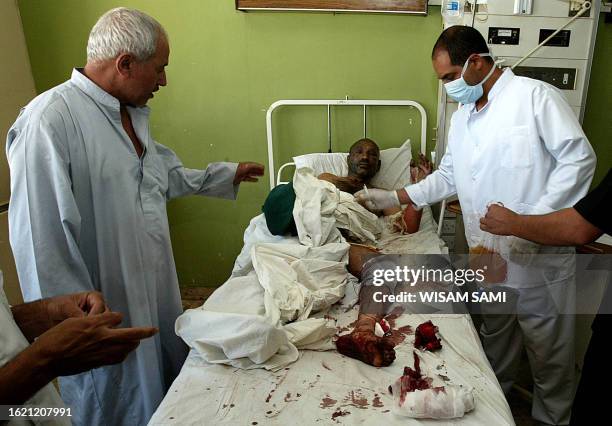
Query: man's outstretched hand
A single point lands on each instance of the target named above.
(248, 172)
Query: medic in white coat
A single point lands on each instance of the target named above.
(514, 141)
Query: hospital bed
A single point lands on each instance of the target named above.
(325, 387)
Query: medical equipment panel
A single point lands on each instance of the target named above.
(574, 44)
(499, 35)
(560, 39)
(561, 78)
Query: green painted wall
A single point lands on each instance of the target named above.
(227, 67)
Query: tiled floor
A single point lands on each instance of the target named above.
(519, 401)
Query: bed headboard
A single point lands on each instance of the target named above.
(329, 103)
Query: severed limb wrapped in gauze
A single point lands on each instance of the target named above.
(414, 396)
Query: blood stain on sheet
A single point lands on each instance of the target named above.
(325, 366)
(406, 329)
(329, 317)
(288, 397)
(312, 384)
(385, 411)
(376, 402)
(269, 412)
(444, 378)
(327, 402)
(399, 335)
(356, 399)
(254, 423)
(282, 379)
(339, 413)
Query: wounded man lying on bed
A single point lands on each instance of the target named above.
(362, 343)
(363, 163)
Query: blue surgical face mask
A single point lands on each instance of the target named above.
(462, 92)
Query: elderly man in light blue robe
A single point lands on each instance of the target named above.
(88, 209)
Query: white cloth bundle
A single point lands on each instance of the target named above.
(260, 317)
(448, 402)
(321, 208)
(298, 279)
(416, 396)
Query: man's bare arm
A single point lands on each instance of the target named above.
(23, 376)
(345, 184)
(561, 228)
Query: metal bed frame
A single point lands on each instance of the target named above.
(339, 102)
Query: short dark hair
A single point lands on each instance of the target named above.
(461, 42)
(362, 141)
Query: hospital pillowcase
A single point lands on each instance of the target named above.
(333, 162)
(394, 171)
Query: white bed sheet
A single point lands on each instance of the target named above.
(325, 387)
(329, 388)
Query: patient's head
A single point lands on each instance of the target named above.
(364, 159)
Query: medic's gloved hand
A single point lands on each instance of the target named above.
(377, 199)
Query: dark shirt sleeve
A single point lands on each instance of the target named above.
(594, 207)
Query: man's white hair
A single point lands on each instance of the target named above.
(124, 30)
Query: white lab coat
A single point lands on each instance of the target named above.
(14, 342)
(525, 149)
(87, 214)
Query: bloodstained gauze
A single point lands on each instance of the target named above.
(384, 324)
(413, 380)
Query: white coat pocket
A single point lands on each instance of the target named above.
(516, 150)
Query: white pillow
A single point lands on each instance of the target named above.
(394, 170)
(332, 162)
